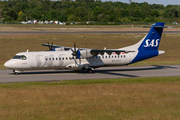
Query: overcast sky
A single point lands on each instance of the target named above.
(164, 2)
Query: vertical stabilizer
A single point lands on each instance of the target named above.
(148, 46)
(152, 40)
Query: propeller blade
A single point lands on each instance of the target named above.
(75, 46)
(48, 44)
(51, 45)
(80, 61)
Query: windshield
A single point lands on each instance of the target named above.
(22, 57)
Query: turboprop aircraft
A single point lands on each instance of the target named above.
(77, 59)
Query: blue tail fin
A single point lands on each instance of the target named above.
(152, 40)
(148, 46)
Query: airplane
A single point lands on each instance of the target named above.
(77, 59)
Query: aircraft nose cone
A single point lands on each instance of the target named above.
(7, 65)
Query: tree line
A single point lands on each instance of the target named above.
(87, 10)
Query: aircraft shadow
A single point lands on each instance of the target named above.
(109, 71)
(155, 67)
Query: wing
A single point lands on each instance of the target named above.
(60, 48)
(108, 51)
(93, 52)
(56, 46)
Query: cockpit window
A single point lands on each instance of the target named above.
(22, 57)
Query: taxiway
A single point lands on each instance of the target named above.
(100, 73)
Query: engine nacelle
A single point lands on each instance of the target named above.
(87, 53)
(75, 67)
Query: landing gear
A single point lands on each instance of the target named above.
(90, 70)
(15, 72)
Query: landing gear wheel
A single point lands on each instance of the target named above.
(15, 73)
(89, 70)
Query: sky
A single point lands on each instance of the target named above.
(164, 2)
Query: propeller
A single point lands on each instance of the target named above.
(76, 53)
(50, 46)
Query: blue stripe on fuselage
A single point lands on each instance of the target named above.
(145, 54)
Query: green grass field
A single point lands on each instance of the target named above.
(128, 98)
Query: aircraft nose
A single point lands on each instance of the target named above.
(7, 64)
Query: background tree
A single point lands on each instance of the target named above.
(87, 10)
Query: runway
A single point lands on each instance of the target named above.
(100, 73)
(78, 32)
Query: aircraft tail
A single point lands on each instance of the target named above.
(148, 46)
(151, 41)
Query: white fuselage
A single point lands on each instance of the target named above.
(63, 60)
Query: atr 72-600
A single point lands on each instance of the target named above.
(77, 59)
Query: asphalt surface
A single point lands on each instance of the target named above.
(77, 32)
(100, 73)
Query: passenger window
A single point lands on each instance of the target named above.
(49, 58)
(52, 58)
(59, 58)
(56, 58)
(106, 56)
(62, 58)
(66, 58)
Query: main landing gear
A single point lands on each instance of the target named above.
(89, 70)
(15, 72)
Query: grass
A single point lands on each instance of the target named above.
(52, 27)
(128, 98)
